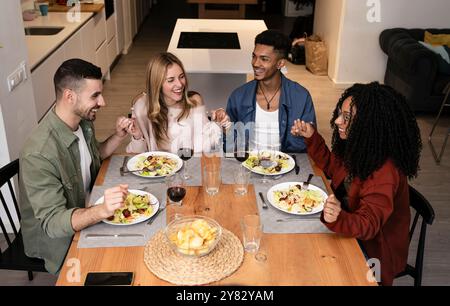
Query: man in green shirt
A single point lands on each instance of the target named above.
(60, 162)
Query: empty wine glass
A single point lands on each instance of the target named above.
(266, 161)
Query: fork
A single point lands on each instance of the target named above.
(264, 205)
(298, 219)
(161, 208)
(124, 164)
(306, 184)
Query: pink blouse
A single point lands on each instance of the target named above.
(194, 130)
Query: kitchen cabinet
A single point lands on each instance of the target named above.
(111, 39)
(99, 29)
(101, 56)
(88, 41)
(73, 46)
(42, 78)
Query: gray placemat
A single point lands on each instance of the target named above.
(113, 177)
(296, 224)
(229, 166)
(158, 190)
(269, 217)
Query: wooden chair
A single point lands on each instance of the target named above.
(423, 209)
(13, 257)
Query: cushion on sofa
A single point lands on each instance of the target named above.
(443, 57)
(437, 39)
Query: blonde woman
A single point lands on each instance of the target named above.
(167, 116)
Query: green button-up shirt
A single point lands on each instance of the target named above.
(51, 187)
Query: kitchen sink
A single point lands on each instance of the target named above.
(43, 30)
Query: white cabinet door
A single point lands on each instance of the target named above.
(73, 46)
(42, 77)
(102, 58)
(88, 41)
(99, 28)
(112, 51)
(111, 27)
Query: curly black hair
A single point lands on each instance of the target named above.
(383, 127)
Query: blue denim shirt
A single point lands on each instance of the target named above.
(295, 103)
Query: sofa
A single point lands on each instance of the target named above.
(412, 69)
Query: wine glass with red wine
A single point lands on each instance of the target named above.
(176, 189)
(241, 152)
(185, 153)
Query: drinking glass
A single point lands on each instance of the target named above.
(211, 179)
(241, 151)
(176, 189)
(241, 180)
(185, 153)
(265, 158)
(252, 230)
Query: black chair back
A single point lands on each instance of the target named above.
(424, 210)
(14, 257)
(7, 174)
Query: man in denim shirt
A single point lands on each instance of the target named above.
(268, 105)
(60, 162)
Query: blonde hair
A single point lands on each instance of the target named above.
(157, 108)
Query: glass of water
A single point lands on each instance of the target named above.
(252, 230)
(211, 179)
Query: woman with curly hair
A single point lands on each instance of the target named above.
(375, 149)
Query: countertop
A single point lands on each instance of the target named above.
(217, 60)
(85, 7)
(40, 47)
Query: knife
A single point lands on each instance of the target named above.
(113, 235)
(296, 167)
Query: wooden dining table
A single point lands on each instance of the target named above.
(289, 259)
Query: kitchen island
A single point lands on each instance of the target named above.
(215, 66)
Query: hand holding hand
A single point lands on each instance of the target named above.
(114, 198)
(302, 128)
(331, 209)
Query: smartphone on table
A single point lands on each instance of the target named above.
(109, 279)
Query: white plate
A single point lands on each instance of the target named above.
(152, 199)
(131, 164)
(291, 164)
(285, 186)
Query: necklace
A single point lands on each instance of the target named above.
(269, 100)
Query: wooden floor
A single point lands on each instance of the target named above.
(128, 79)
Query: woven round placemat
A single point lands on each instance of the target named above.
(170, 266)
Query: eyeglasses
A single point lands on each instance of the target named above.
(345, 115)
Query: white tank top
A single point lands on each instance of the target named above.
(267, 132)
(85, 160)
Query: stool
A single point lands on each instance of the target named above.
(437, 157)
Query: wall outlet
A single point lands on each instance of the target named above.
(17, 77)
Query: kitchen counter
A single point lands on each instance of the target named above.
(41, 46)
(217, 60)
(85, 8)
